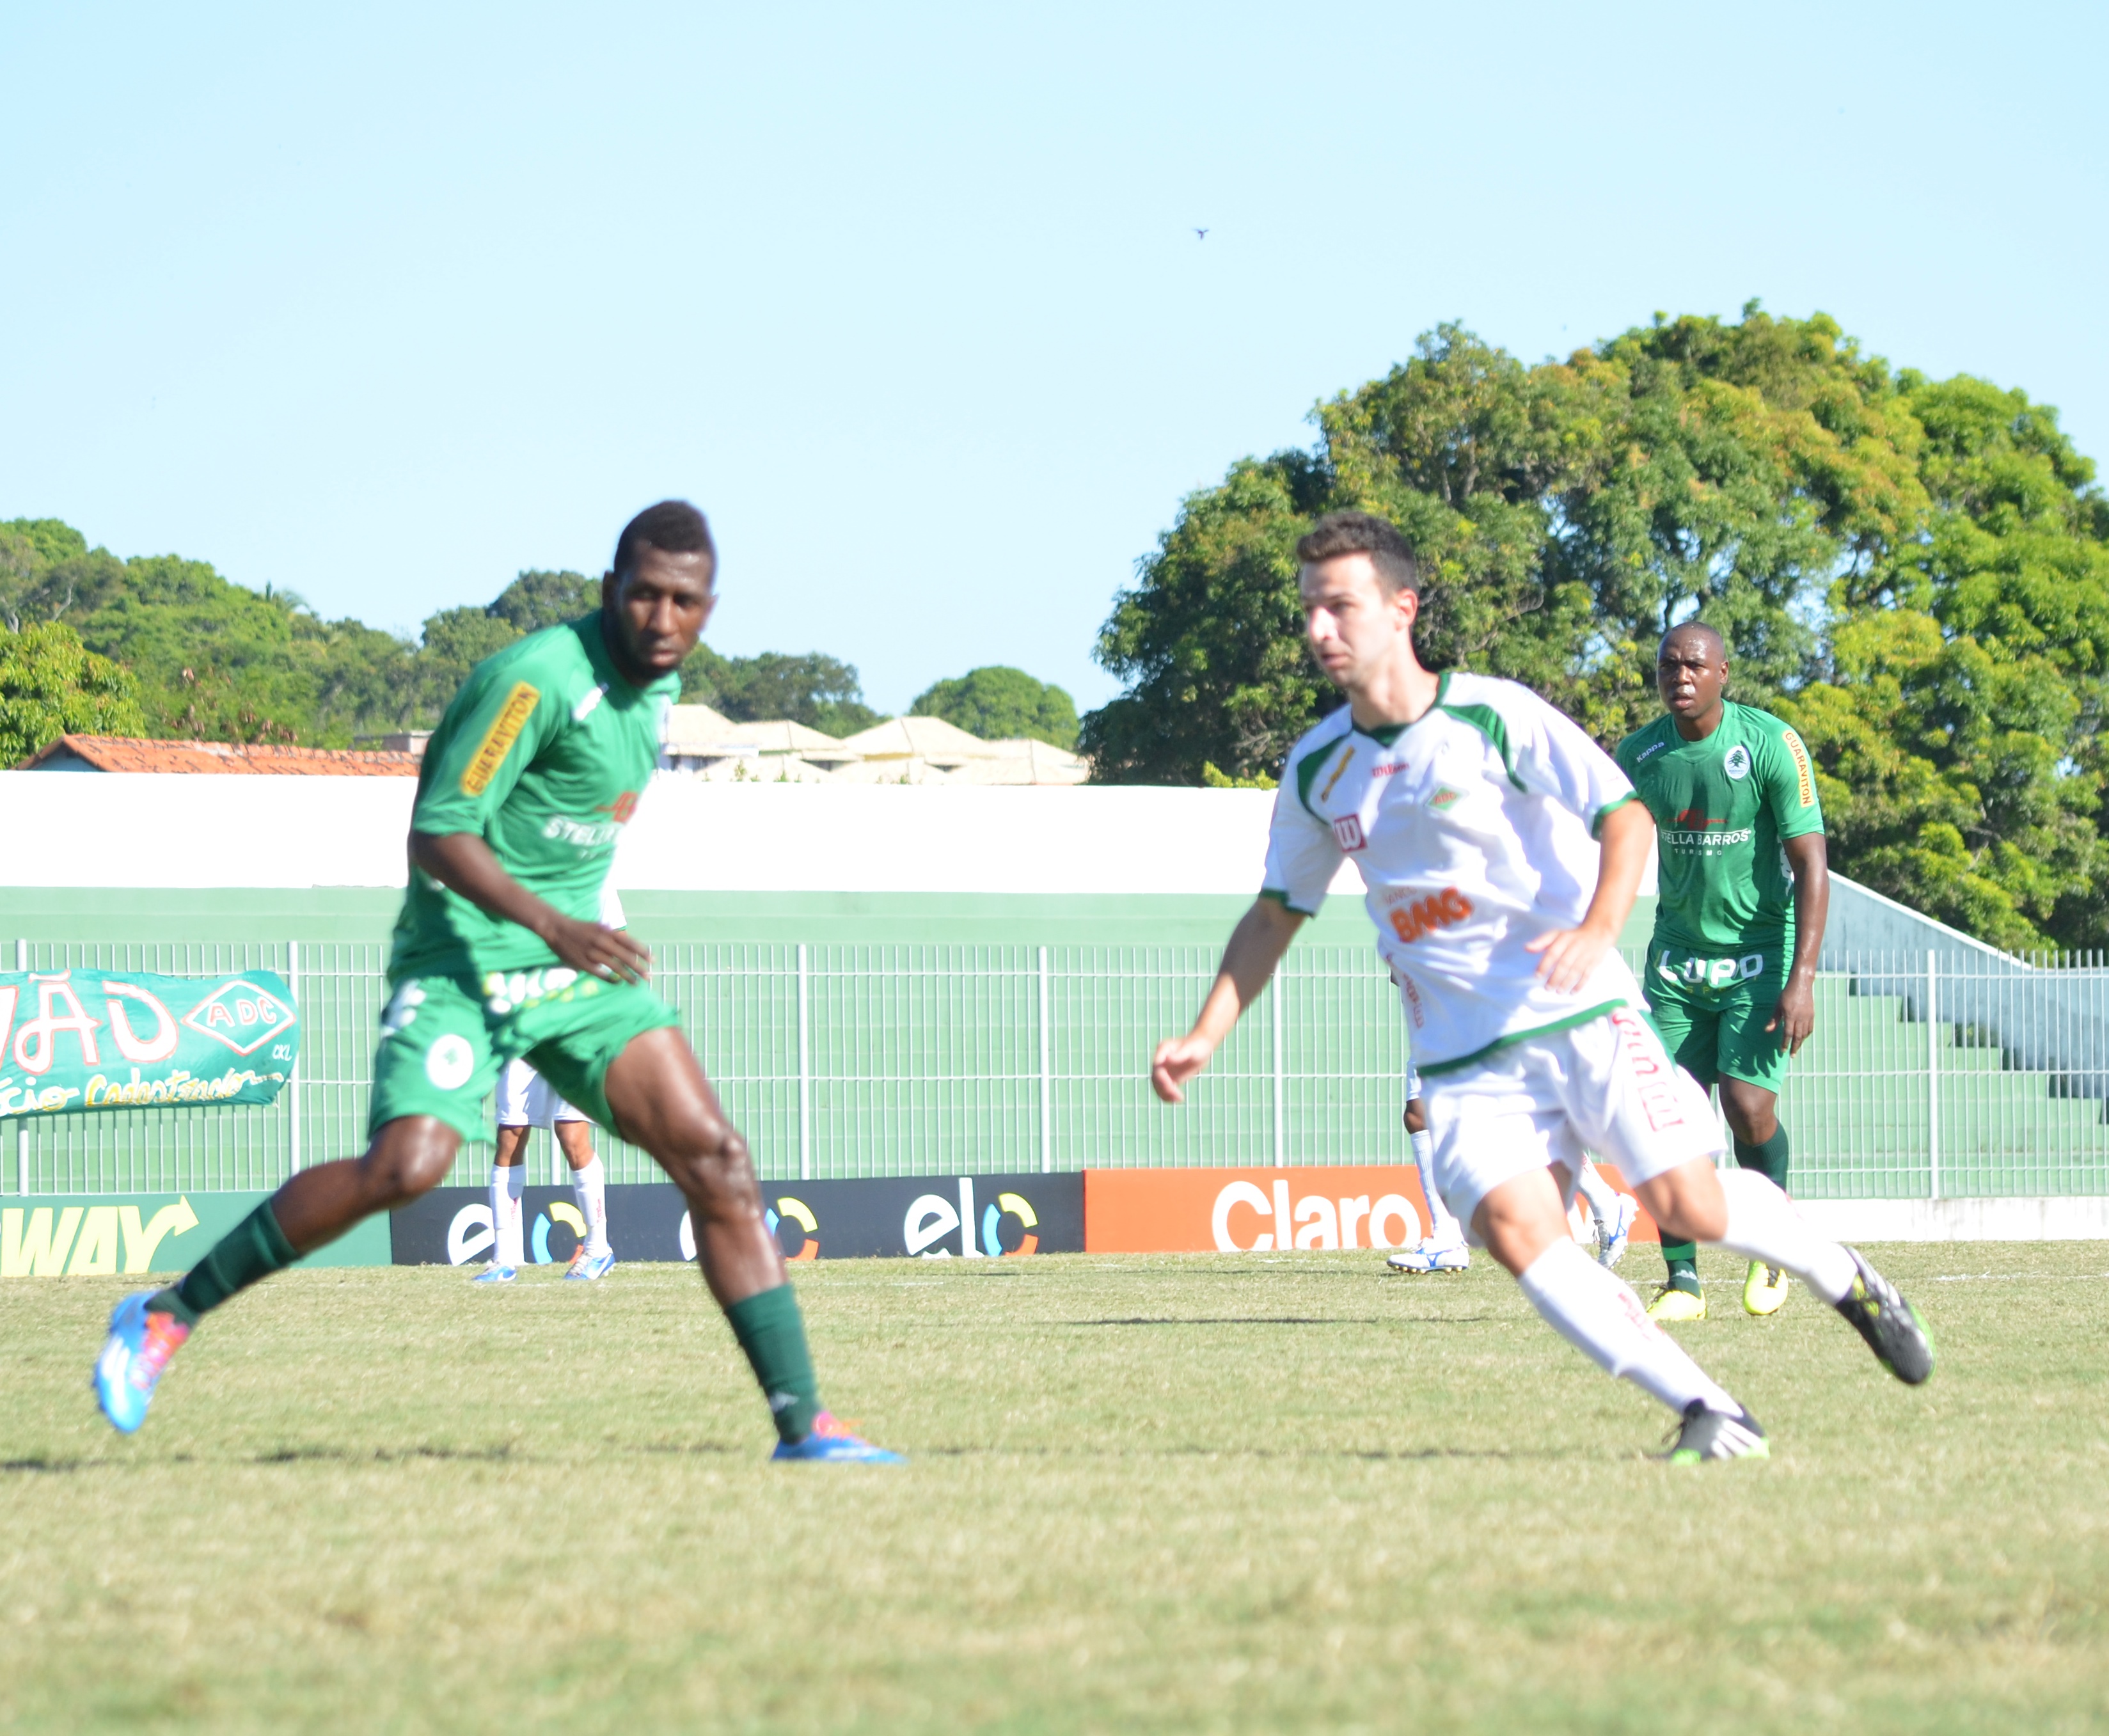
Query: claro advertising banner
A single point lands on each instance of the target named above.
(1246, 1211)
(80, 1039)
(965, 1216)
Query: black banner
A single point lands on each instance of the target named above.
(969, 1217)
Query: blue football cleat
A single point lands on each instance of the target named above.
(587, 1266)
(496, 1275)
(137, 1349)
(832, 1445)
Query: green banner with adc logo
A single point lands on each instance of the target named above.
(86, 1039)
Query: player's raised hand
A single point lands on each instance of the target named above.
(1177, 1060)
(609, 954)
(1794, 1015)
(1571, 955)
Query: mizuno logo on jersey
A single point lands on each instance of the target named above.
(1439, 910)
(505, 730)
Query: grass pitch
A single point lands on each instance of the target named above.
(1199, 1493)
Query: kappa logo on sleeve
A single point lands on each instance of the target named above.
(504, 730)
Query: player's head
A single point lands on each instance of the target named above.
(1691, 669)
(659, 593)
(1360, 582)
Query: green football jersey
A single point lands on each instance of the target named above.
(543, 754)
(1723, 807)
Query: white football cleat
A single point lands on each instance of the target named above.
(1612, 1237)
(1429, 1255)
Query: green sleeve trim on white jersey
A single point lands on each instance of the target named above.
(1307, 774)
(1281, 897)
(1609, 808)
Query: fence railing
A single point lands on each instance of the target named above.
(1924, 1078)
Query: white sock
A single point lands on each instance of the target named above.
(1597, 1312)
(508, 1182)
(1763, 1225)
(1603, 1198)
(589, 1188)
(1445, 1230)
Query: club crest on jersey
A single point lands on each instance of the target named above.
(1347, 832)
(1445, 798)
(1737, 762)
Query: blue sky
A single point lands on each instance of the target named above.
(386, 305)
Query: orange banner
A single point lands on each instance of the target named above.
(1244, 1211)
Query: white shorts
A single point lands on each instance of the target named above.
(1607, 1088)
(1412, 1082)
(525, 1100)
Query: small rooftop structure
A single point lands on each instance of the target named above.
(943, 745)
(130, 753)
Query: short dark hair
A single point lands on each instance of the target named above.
(1713, 632)
(1397, 567)
(672, 527)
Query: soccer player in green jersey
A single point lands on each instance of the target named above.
(1743, 889)
(525, 784)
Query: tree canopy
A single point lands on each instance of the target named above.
(997, 702)
(1915, 572)
(51, 685)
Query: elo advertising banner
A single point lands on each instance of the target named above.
(80, 1039)
(968, 1217)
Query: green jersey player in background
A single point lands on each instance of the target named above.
(1743, 889)
(525, 784)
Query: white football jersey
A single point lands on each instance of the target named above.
(1473, 829)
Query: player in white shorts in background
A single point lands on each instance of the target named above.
(1444, 1248)
(525, 1101)
(1470, 806)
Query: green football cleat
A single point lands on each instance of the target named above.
(1890, 1325)
(1764, 1289)
(1706, 1434)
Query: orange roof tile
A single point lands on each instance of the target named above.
(127, 754)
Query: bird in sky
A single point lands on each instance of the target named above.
(1201, 234)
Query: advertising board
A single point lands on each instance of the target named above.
(969, 1217)
(49, 1236)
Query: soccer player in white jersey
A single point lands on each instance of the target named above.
(525, 1100)
(1475, 812)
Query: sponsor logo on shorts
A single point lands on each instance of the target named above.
(1655, 1074)
(1711, 973)
(449, 1062)
(505, 994)
(1439, 910)
(1347, 832)
(504, 730)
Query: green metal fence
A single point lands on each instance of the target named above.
(858, 1061)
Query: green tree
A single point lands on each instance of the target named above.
(538, 599)
(820, 692)
(1916, 572)
(996, 702)
(51, 685)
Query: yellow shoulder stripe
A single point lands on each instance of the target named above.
(504, 730)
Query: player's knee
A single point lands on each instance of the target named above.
(398, 1169)
(716, 1171)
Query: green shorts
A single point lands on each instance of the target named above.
(1712, 1012)
(445, 1039)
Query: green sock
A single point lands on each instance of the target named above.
(1682, 1259)
(252, 1251)
(772, 1332)
(1768, 1160)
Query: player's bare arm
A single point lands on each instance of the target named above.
(1571, 955)
(1795, 1016)
(1256, 947)
(463, 862)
